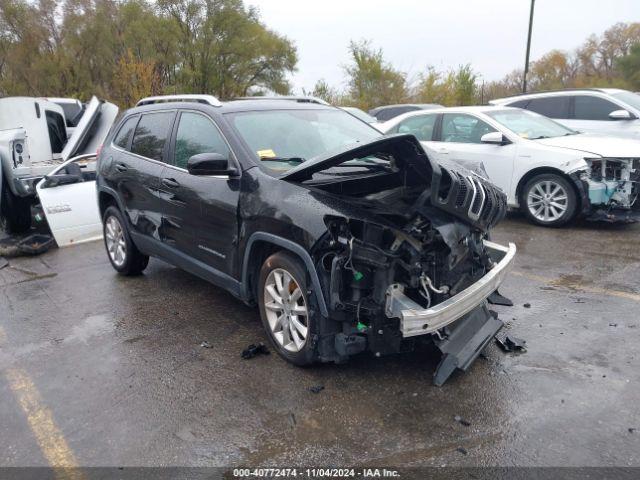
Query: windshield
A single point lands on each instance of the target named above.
(630, 98)
(529, 125)
(282, 139)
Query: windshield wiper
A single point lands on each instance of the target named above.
(283, 159)
(540, 137)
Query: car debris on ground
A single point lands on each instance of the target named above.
(316, 388)
(254, 350)
(462, 421)
(511, 344)
(205, 344)
(33, 244)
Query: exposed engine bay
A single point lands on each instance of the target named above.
(426, 247)
(613, 182)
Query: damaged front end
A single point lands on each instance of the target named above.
(418, 266)
(611, 187)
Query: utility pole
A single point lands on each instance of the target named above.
(526, 62)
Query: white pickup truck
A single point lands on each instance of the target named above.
(35, 138)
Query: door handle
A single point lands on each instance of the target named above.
(170, 182)
(121, 167)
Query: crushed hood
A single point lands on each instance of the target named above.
(400, 143)
(610, 147)
(91, 130)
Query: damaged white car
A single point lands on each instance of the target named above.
(552, 173)
(36, 138)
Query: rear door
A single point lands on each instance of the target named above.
(200, 212)
(137, 168)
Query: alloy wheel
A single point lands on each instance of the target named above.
(116, 244)
(547, 201)
(286, 310)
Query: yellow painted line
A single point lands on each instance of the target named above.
(50, 439)
(557, 282)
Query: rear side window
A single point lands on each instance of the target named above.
(57, 131)
(126, 132)
(151, 135)
(552, 107)
(197, 134)
(519, 103)
(421, 127)
(593, 108)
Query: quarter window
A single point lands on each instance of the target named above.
(126, 132)
(553, 107)
(421, 127)
(197, 134)
(462, 128)
(593, 108)
(151, 135)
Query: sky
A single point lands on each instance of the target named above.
(489, 34)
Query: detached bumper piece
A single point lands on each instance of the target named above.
(465, 341)
(615, 216)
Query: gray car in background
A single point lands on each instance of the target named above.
(609, 111)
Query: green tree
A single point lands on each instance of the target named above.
(372, 80)
(629, 65)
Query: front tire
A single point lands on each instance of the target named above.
(285, 308)
(549, 200)
(16, 211)
(124, 256)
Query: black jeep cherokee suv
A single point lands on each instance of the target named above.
(346, 240)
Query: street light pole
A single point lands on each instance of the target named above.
(526, 63)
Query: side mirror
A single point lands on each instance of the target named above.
(61, 179)
(620, 115)
(495, 138)
(209, 164)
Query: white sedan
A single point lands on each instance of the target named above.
(550, 172)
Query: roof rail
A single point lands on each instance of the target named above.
(291, 98)
(557, 90)
(208, 99)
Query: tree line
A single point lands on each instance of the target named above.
(123, 50)
(608, 60)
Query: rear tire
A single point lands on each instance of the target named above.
(287, 312)
(16, 211)
(549, 200)
(124, 256)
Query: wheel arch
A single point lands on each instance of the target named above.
(107, 198)
(260, 246)
(541, 171)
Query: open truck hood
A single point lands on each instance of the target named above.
(91, 130)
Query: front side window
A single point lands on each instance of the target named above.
(463, 128)
(529, 125)
(197, 134)
(555, 106)
(421, 127)
(593, 108)
(126, 132)
(630, 98)
(151, 135)
(282, 139)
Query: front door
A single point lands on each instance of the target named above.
(459, 141)
(200, 212)
(69, 201)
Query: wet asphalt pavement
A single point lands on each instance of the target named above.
(119, 374)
